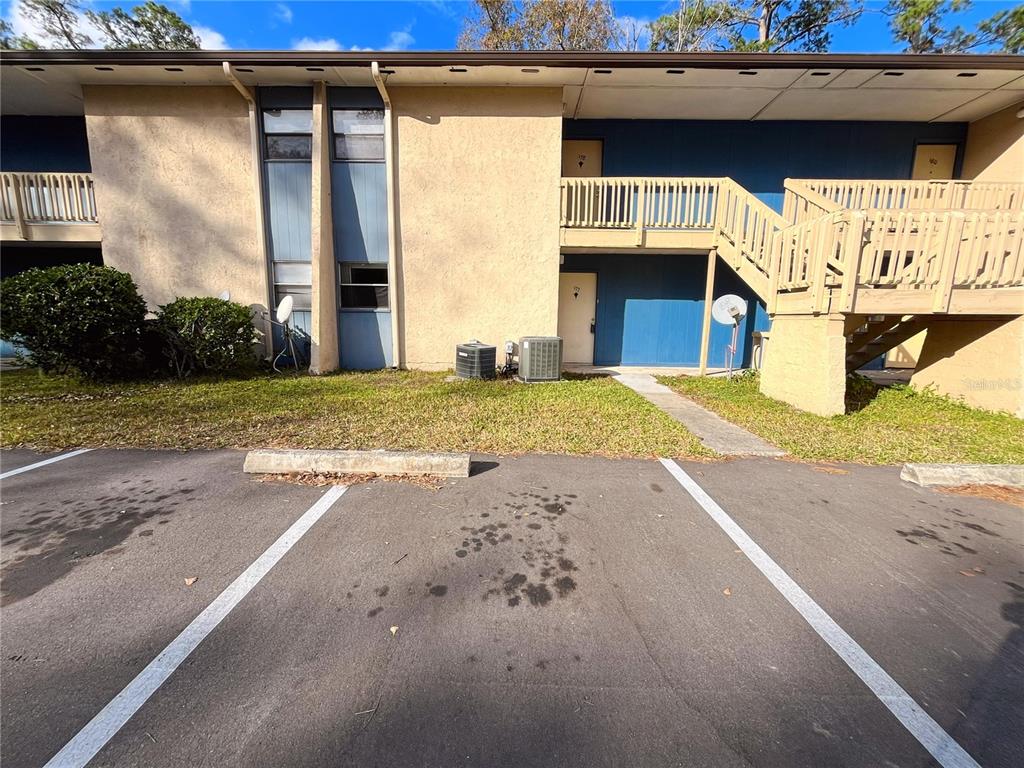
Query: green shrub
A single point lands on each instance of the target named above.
(75, 318)
(207, 335)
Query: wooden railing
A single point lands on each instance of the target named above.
(836, 194)
(818, 253)
(925, 252)
(631, 203)
(748, 224)
(47, 198)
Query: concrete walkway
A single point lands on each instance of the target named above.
(711, 429)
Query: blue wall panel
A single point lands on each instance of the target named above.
(289, 194)
(760, 155)
(365, 339)
(650, 309)
(727, 281)
(359, 205)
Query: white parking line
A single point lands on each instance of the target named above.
(43, 463)
(940, 744)
(101, 729)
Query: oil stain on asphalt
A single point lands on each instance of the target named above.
(545, 576)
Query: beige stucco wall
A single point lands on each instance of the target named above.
(478, 207)
(805, 363)
(174, 190)
(981, 361)
(995, 147)
(323, 353)
(905, 355)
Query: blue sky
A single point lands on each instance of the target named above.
(419, 24)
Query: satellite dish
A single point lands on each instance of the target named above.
(224, 295)
(729, 309)
(284, 309)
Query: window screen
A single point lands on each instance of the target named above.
(302, 296)
(359, 148)
(364, 286)
(288, 134)
(289, 147)
(358, 134)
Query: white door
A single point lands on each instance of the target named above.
(577, 314)
(933, 161)
(581, 157)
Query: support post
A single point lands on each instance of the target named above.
(949, 250)
(641, 206)
(19, 208)
(853, 250)
(323, 353)
(709, 297)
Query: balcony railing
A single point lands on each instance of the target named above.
(910, 255)
(808, 198)
(639, 203)
(40, 206)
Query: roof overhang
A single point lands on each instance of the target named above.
(695, 86)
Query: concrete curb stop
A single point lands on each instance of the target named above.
(357, 462)
(964, 474)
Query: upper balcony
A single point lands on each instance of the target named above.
(851, 246)
(48, 207)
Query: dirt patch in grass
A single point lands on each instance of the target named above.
(883, 426)
(400, 410)
(1014, 496)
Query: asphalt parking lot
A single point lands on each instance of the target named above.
(545, 611)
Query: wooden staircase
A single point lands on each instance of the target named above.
(878, 335)
(849, 247)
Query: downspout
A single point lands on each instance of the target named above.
(261, 237)
(389, 165)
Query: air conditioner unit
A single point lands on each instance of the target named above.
(475, 360)
(540, 358)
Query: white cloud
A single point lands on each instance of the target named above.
(399, 40)
(283, 13)
(309, 44)
(211, 39)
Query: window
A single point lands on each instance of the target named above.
(289, 147)
(288, 134)
(302, 296)
(288, 120)
(358, 148)
(364, 286)
(358, 134)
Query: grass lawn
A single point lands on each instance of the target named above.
(386, 409)
(887, 426)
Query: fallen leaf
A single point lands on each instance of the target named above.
(394, 631)
(832, 470)
(191, 580)
(727, 592)
(966, 573)
(737, 551)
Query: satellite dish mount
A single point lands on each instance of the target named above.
(730, 310)
(283, 316)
